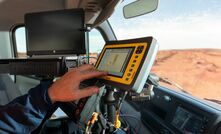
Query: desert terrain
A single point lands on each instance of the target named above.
(197, 71)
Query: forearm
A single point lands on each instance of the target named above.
(25, 113)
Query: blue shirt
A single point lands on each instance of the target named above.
(26, 112)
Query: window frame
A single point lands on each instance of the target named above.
(13, 38)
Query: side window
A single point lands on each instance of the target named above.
(20, 42)
(96, 43)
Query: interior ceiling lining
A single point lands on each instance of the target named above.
(12, 11)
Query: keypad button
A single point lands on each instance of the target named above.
(136, 56)
(132, 65)
(127, 79)
(139, 49)
(128, 74)
(134, 61)
(130, 70)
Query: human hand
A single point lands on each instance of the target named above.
(67, 87)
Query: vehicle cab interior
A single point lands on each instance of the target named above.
(43, 39)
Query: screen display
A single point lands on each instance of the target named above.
(55, 32)
(115, 60)
(187, 122)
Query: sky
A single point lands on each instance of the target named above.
(176, 24)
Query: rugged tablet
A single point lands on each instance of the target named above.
(128, 62)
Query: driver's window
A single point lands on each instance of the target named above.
(20, 42)
(96, 43)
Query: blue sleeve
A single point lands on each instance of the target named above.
(25, 113)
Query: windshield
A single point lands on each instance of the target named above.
(188, 32)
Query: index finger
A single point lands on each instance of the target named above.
(92, 74)
(86, 67)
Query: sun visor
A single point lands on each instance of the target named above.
(97, 11)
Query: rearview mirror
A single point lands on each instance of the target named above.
(139, 7)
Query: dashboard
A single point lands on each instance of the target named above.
(187, 122)
(171, 112)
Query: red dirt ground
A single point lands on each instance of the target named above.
(197, 71)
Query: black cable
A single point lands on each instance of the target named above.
(121, 100)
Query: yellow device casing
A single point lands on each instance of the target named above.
(133, 64)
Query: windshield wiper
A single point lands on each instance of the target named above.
(154, 80)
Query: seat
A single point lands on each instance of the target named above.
(8, 89)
